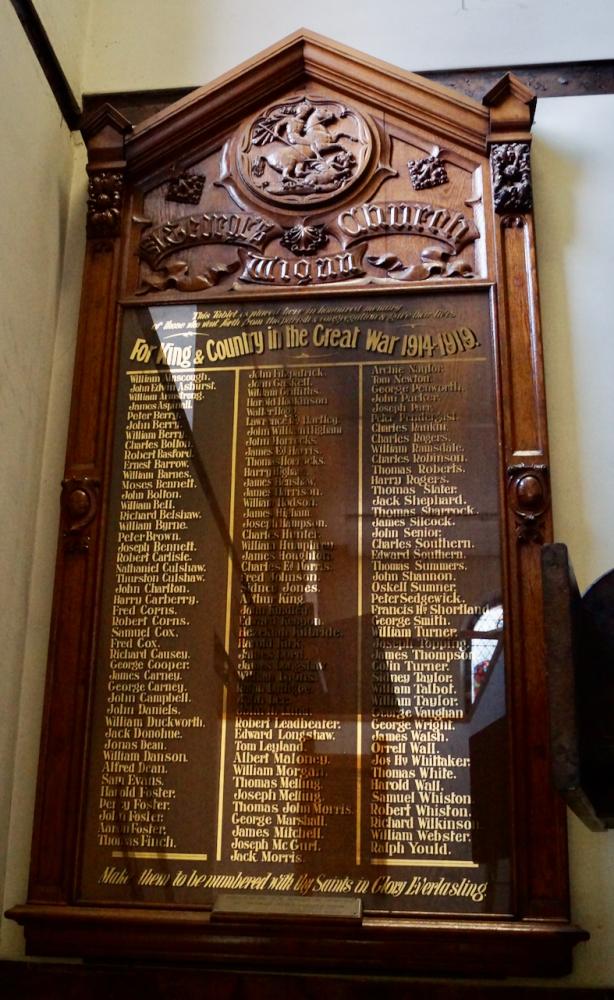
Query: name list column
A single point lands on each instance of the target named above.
(421, 539)
(166, 554)
(292, 724)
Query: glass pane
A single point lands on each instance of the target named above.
(303, 543)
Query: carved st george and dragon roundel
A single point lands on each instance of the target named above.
(306, 150)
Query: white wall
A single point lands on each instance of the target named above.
(66, 23)
(36, 166)
(573, 156)
(572, 173)
(148, 44)
(186, 43)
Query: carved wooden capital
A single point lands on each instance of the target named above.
(79, 508)
(104, 203)
(529, 497)
(511, 177)
(104, 132)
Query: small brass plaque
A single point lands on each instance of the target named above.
(244, 905)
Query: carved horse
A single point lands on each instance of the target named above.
(309, 128)
(301, 144)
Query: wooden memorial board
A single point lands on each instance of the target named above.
(306, 485)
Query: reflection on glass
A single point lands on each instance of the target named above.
(306, 540)
(486, 645)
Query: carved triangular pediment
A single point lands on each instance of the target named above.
(309, 164)
(104, 131)
(301, 59)
(511, 104)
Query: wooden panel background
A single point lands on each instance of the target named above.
(484, 152)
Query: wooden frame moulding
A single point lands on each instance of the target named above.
(490, 143)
